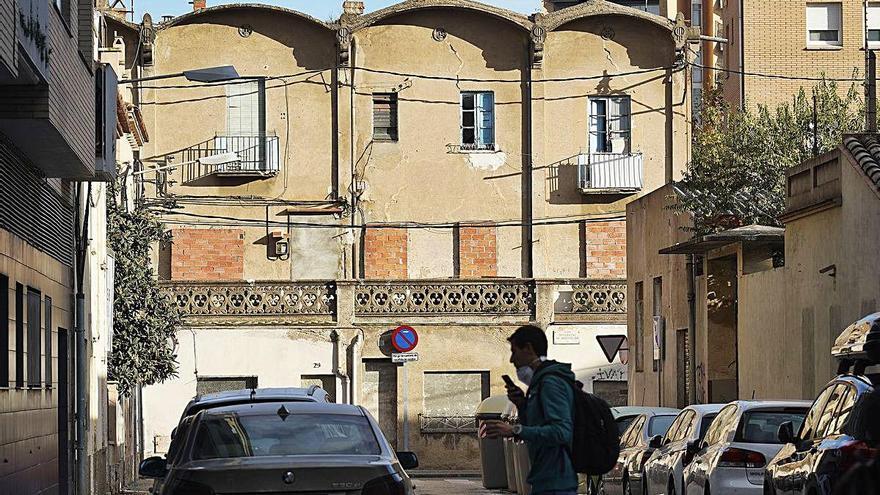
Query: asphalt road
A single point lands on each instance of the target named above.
(451, 486)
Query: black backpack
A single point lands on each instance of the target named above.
(595, 444)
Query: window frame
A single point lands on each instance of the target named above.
(479, 113)
(4, 336)
(873, 44)
(640, 327)
(34, 338)
(608, 120)
(827, 44)
(19, 336)
(393, 129)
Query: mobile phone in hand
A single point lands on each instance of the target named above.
(507, 381)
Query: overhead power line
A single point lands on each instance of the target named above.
(778, 76)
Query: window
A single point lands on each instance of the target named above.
(633, 433)
(610, 124)
(847, 403)
(704, 424)
(808, 430)
(48, 331)
(210, 384)
(660, 425)
(720, 425)
(385, 116)
(679, 430)
(658, 327)
(696, 14)
(640, 327)
(4, 331)
(34, 347)
(19, 335)
(827, 416)
(823, 24)
(874, 24)
(762, 426)
(478, 121)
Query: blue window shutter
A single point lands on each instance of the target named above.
(487, 119)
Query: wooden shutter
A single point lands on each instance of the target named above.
(385, 116)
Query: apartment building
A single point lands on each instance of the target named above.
(443, 164)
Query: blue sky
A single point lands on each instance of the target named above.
(322, 9)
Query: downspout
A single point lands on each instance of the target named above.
(528, 230)
(354, 191)
(356, 344)
(742, 55)
(692, 329)
(81, 343)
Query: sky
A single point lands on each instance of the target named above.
(322, 9)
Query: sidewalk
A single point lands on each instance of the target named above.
(451, 486)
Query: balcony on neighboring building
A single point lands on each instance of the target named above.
(610, 173)
(238, 157)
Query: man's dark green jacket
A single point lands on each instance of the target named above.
(547, 428)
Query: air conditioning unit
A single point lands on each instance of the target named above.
(105, 123)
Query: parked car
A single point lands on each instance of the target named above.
(739, 442)
(626, 477)
(202, 402)
(624, 415)
(664, 471)
(840, 433)
(282, 447)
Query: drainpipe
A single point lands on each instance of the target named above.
(528, 245)
(356, 344)
(692, 328)
(81, 342)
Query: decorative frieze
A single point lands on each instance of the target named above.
(514, 297)
(599, 298)
(224, 299)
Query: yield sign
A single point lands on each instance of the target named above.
(610, 345)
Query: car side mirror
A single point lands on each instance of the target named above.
(408, 460)
(656, 442)
(785, 434)
(153, 467)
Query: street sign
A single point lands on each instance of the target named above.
(610, 345)
(404, 357)
(566, 336)
(404, 339)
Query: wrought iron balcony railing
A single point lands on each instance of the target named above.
(610, 173)
(232, 156)
(447, 424)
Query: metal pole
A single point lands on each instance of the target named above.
(692, 330)
(82, 403)
(405, 408)
(871, 113)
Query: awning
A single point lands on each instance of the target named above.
(760, 234)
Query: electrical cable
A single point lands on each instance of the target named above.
(777, 76)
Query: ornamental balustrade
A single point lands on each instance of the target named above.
(428, 298)
(447, 424)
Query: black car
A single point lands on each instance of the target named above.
(281, 447)
(840, 432)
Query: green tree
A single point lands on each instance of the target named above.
(736, 175)
(144, 321)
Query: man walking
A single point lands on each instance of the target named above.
(545, 413)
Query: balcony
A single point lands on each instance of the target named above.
(238, 157)
(610, 173)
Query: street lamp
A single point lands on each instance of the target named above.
(209, 75)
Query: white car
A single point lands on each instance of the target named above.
(665, 469)
(732, 456)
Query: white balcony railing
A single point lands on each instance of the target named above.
(610, 172)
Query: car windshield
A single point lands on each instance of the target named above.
(762, 426)
(234, 435)
(659, 425)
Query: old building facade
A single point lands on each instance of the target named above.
(443, 164)
(766, 301)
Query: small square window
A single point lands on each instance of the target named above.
(823, 24)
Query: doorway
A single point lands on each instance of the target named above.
(721, 302)
(379, 395)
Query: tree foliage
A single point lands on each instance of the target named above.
(144, 322)
(737, 171)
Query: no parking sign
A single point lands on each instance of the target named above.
(404, 339)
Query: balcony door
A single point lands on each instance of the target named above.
(610, 124)
(246, 123)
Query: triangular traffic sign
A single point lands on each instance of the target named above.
(610, 345)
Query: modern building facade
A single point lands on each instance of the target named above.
(441, 164)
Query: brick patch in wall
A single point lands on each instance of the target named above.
(477, 252)
(606, 250)
(207, 254)
(385, 253)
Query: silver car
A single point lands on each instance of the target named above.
(282, 447)
(732, 457)
(665, 469)
(626, 477)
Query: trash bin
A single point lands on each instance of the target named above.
(523, 466)
(511, 416)
(492, 459)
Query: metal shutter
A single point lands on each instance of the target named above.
(385, 116)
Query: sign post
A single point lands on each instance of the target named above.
(404, 339)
